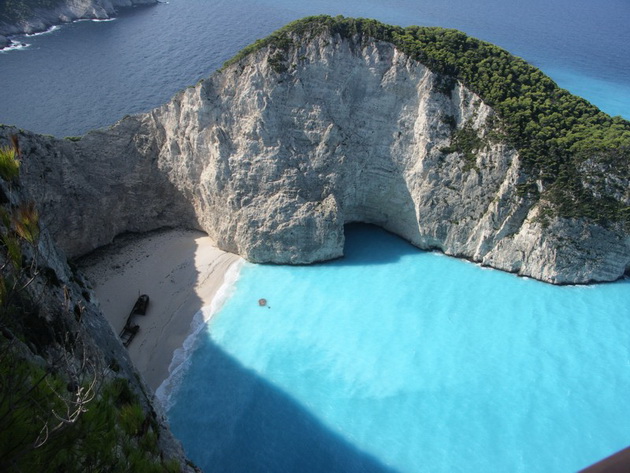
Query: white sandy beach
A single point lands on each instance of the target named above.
(180, 270)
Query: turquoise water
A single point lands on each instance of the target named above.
(394, 359)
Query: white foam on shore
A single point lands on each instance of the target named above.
(18, 45)
(14, 46)
(181, 357)
(41, 33)
(95, 20)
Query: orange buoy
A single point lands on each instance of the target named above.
(262, 302)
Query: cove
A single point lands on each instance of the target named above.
(396, 360)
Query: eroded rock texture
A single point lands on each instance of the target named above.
(274, 154)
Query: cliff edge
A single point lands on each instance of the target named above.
(70, 398)
(447, 141)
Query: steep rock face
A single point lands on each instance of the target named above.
(63, 308)
(273, 155)
(104, 185)
(66, 11)
(351, 133)
(359, 132)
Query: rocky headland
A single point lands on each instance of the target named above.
(33, 16)
(325, 123)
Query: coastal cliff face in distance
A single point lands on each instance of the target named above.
(32, 16)
(334, 120)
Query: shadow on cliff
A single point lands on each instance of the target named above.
(230, 419)
(368, 244)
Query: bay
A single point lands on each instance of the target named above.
(397, 360)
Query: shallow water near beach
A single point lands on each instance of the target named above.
(394, 359)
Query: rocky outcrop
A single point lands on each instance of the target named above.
(104, 185)
(275, 153)
(358, 132)
(41, 19)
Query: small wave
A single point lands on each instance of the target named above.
(41, 33)
(15, 46)
(180, 362)
(181, 356)
(18, 45)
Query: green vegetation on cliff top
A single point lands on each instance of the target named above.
(557, 134)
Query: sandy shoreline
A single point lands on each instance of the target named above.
(180, 270)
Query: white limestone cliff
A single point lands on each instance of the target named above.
(274, 154)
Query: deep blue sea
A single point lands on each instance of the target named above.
(391, 359)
